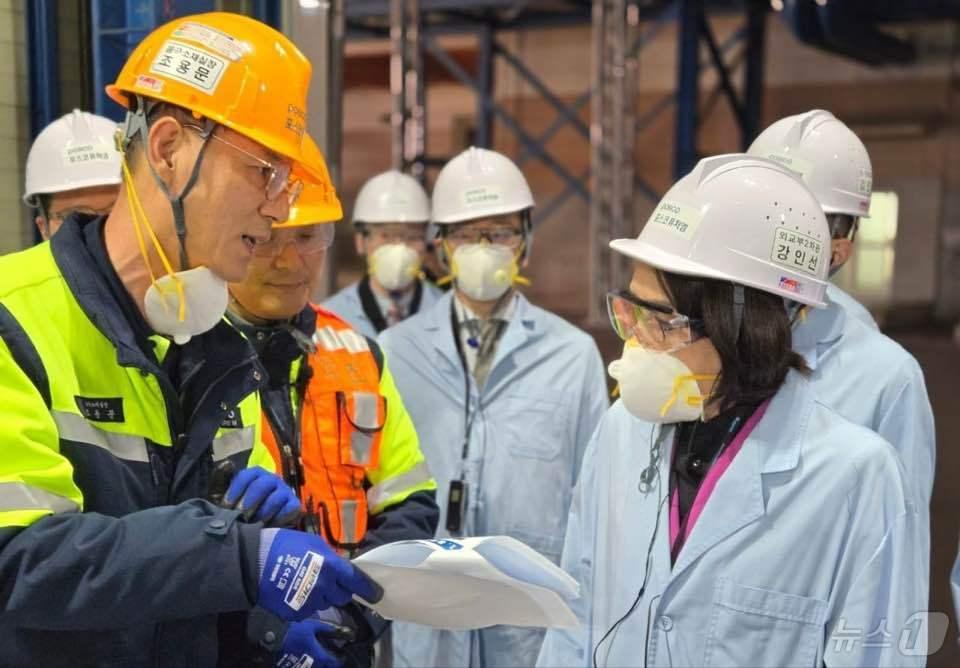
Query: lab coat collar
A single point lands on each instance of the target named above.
(440, 335)
(773, 447)
(817, 330)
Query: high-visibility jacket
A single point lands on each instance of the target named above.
(107, 554)
(358, 447)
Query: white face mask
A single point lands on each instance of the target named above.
(484, 271)
(658, 387)
(394, 266)
(204, 301)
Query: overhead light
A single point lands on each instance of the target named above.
(777, 5)
(309, 4)
(822, 3)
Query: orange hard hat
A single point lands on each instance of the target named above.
(318, 201)
(234, 70)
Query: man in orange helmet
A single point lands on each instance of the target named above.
(123, 391)
(333, 418)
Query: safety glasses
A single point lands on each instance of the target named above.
(277, 176)
(506, 235)
(653, 326)
(308, 240)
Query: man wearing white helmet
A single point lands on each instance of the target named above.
(504, 395)
(390, 223)
(862, 374)
(725, 516)
(73, 167)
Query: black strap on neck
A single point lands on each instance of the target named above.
(136, 123)
(371, 307)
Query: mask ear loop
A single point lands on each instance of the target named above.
(136, 123)
(140, 220)
(690, 400)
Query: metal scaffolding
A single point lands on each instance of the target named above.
(614, 178)
(613, 139)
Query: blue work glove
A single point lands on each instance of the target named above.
(300, 575)
(307, 644)
(262, 496)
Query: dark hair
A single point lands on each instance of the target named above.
(755, 360)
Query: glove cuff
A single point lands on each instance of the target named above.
(267, 536)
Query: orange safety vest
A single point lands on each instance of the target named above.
(341, 425)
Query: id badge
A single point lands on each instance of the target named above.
(456, 505)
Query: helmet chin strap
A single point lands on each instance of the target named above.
(136, 124)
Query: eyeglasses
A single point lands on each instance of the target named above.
(654, 326)
(308, 240)
(843, 226)
(63, 214)
(277, 176)
(408, 236)
(503, 236)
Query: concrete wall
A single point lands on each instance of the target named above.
(14, 123)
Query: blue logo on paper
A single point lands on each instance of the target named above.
(448, 544)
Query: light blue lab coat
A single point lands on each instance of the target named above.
(955, 585)
(870, 380)
(851, 306)
(801, 557)
(545, 393)
(346, 304)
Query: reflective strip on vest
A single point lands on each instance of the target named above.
(233, 441)
(380, 494)
(73, 427)
(21, 496)
(332, 340)
(348, 521)
(365, 416)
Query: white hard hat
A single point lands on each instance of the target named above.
(479, 183)
(391, 197)
(75, 151)
(833, 161)
(741, 219)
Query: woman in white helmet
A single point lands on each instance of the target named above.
(863, 375)
(73, 167)
(723, 515)
(390, 220)
(504, 395)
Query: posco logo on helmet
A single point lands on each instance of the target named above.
(296, 120)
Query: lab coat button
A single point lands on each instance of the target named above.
(666, 623)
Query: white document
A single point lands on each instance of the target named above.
(470, 583)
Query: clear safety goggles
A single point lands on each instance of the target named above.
(307, 240)
(653, 326)
(503, 235)
(276, 176)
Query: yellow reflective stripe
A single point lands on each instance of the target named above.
(74, 427)
(18, 496)
(396, 489)
(233, 441)
(21, 518)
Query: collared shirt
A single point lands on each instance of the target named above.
(479, 337)
(395, 306)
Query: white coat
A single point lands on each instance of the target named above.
(801, 557)
(545, 393)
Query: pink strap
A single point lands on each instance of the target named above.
(710, 481)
